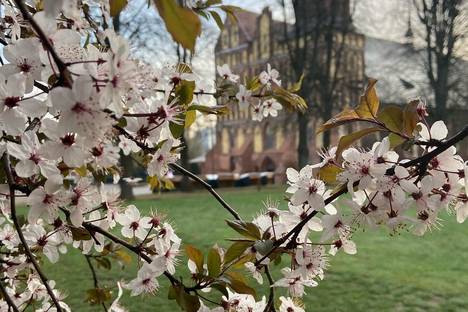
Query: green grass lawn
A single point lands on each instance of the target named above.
(389, 273)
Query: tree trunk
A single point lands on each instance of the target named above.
(303, 139)
(126, 190)
(184, 160)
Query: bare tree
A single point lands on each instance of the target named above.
(444, 24)
(316, 45)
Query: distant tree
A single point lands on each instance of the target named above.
(316, 47)
(444, 25)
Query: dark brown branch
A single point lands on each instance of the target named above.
(208, 187)
(137, 250)
(31, 258)
(421, 162)
(95, 278)
(62, 67)
(271, 297)
(185, 172)
(7, 298)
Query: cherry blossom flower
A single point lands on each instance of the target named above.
(31, 158)
(22, 58)
(288, 305)
(145, 282)
(244, 96)
(271, 108)
(159, 164)
(225, 72)
(36, 236)
(133, 225)
(294, 281)
(269, 76)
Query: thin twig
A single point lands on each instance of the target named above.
(137, 250)
(95, 278)
(185, 172)
(208, 187)
(421, 161)
(271, 298)
(62, 67)
(32, 259)
(8, 299)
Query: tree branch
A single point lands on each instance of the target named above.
(8, 299)
(62, 67)
(184, 171)
(208, 187)
(421, 162)
(32, 259)
(95, 278)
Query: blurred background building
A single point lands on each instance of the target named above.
(324, 44)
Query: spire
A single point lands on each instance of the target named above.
(409, 31)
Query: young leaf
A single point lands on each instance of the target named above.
(392, 117)
(196, 256)
(410, 117)
(217, 19)
(183, 24)
(328, 173)
(214, 263)
(347, 140)
(347, 115)
(236, 250)
(239, 286)
(190, 118)
(246, 229)
(98, 295)
(369, 102)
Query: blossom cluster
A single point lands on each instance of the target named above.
(385, 191)
(72, 101)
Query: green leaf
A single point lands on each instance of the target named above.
(236, 250)
(329, 172)
(80, 234)
(182, 23)
(221, 288)
(288, 99)
(297, 85)
(369, 102)
(347, 140)
(214, 263)
(116, 6)
(263, 246)
(190, 118)
(98, 295)
(217, 19)
(395, 140)
(196, 256)
(410, 117)
(215, 110)
(240, 286)
(184, 92)
(246, 229)
(186, 301)
(176, 129)
(392, 118)
(347, 115)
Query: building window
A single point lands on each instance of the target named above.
(258, 142)
(225, 141)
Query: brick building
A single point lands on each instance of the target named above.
(244, 145)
